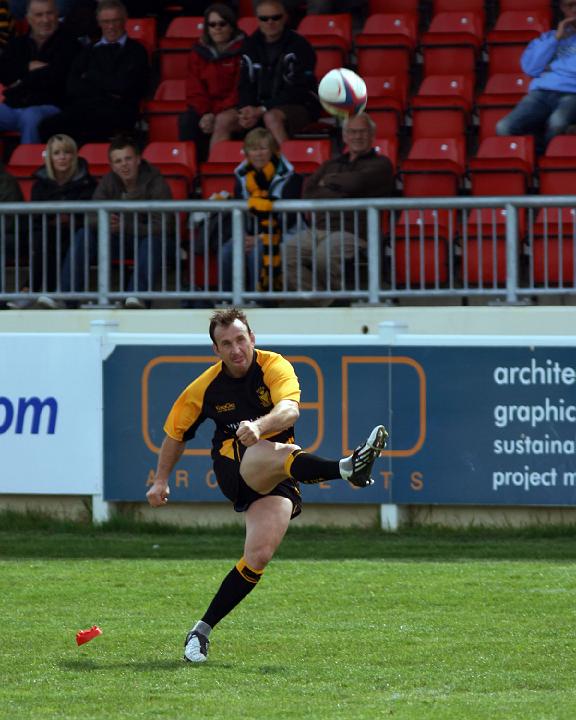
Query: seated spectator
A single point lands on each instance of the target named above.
(10, 192)
(359, 173)
(105, 84)
(6, 25)
(64, 177)
(33, 69)
(550, 104)
(277, 84)
(140, 238)
(212, 81)
(266, 175)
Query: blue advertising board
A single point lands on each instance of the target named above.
(468, 425)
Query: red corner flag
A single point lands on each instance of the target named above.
(84, 636)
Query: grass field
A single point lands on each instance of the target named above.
(345, 624)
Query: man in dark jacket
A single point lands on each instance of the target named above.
(144, 237)
(105, 84)
(277, 87)
(336, 237)
(33, 69)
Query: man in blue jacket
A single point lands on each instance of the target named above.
(550, 105)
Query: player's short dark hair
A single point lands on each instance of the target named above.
(225, 318)
(119, 142)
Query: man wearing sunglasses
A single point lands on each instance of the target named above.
(277, 87)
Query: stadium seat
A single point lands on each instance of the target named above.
(503, 91)
(387, 41)
(557, 167)
(387, 97)
(513, 30)
(96, 155)
(393, 6)
(483, 246)
(476, 6)
(144, 30)
(162, 111)
(544, 6)
(26, 159)
(217, 173)
(331, 36)
(503, 166)
(245, 8)
(175, 45)
(177, 163)
(307, 155)
(442, 106)
(248, 24)
(453, 40)
(420, 251)
(551, 255)
(387, 146)
(434, 167)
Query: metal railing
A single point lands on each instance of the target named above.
(377, 250)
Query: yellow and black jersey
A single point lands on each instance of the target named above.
(227, 400)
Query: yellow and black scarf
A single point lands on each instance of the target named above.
(258, 185)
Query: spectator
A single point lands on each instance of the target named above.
(266, 175)
(140, 237)
(359, 173)
(64, 177)
(6, 25)
(105, 84)
(277, 83)
(550, 105)
(10, 192)
(212, 81)
(33, 69)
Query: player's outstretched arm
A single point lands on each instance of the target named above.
(170, 453)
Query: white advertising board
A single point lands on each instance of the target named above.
(50, 414)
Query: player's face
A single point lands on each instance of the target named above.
(235, 347)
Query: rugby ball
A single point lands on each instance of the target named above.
(342, 93)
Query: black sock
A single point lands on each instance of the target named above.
(311, 469)
(235, 586)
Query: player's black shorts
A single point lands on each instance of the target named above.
(234, 487)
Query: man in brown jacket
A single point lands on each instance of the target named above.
(331, 237)
(143, 238)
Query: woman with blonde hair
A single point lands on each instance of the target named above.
(64, 177)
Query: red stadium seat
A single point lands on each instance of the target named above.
(544, 6)
(26, 159)
(174, 47)
(307, 155)
(434, 167)
(217, 173)
(476, 6)
(387, 41)
(453, 41)
(513, 30)
(393, 6)
(331, 36)
(163, 110)
(503, 166)
(387, 98)
(557, 167)
(177, 163)
(388, 147)
(420, 253)
(442, 106)
(144, 30)
(552, 256)
(248, 24)
(503, 91)
(96, 155)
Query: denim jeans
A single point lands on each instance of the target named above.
(544, 113)
(84, 252)
(26, 120)
(253, 264)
